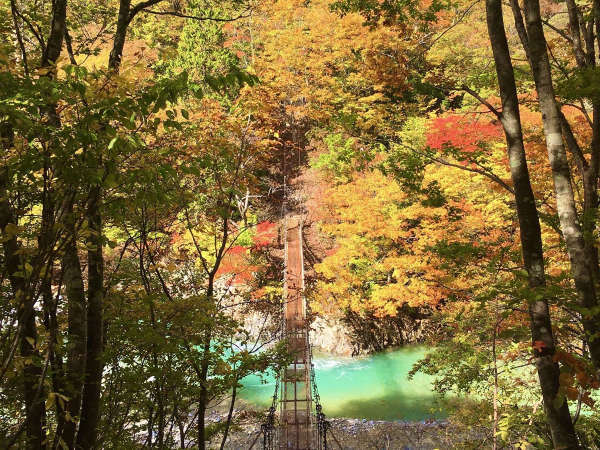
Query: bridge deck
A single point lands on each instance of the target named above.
(296, 427)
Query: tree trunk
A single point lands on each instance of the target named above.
(116, 53)
(34, 404)
(55, 357)
(76, 310)
(590, 217)
(178, 417)
(558, 417)
(495, 396)
(565, 202)
(203, 398)
(229, 416)
(90, 406)
(160, 413)
(586, 59)
(57, 33)
(150, 426)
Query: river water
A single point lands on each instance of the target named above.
(374, 387)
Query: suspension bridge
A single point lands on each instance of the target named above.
(295, 419)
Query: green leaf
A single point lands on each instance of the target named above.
(112, 142)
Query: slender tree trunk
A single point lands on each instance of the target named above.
(55, 357)
(181, 427)
(32, 372)
(76, 310)
(203, 398)
(90, 406)
(558, 416)
(229, 416)
(495, 398)
(180, 424)
(590, 188)
(565, 202)
(27, 329)
(585, 59)
(160, 432)
(590, 218)
(34, 404)
(114, 60)
(150, 429)
(57, 33)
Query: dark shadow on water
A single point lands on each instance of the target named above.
(392, 406)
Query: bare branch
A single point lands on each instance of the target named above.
(456, 22)
(14, 12)
(36, 33)
(558, 31)
(495, 178)
(520, 26)
(141, 7)
(69, 45)
(573, 145)
(244, 15)
(484, 102)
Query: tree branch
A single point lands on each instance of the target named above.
(481, 100)
(520, 26)
(35, 32)
(69, 45)
(57, 32)
(576, 33)
(15, 12)
(243, 15)
(142, 6)
(495, 178)
(558, 31)
(572, 144)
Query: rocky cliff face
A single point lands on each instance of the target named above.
(349, 335)
(355, 334)
(371, 334)
(331, 336)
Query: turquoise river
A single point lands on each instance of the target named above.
(375, 387)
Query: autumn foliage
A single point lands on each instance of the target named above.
(150, 150)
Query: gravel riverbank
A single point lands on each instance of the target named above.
(360, 434)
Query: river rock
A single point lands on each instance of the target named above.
(330, 335)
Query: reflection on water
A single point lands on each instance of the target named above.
(376, 387)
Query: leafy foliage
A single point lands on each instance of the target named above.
(141, 177)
